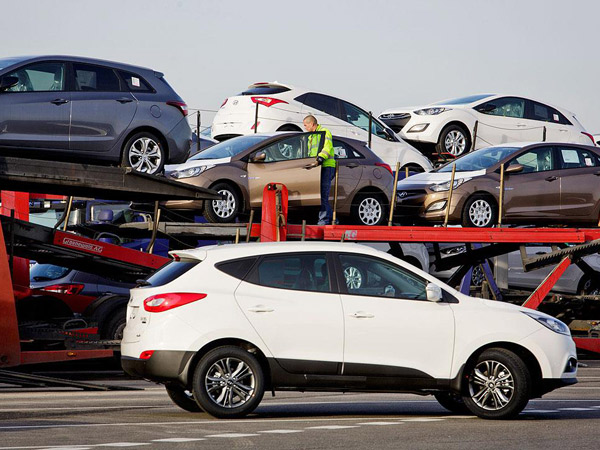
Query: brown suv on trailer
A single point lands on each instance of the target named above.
(544, 183)
(240, 168)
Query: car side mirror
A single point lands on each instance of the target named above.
(8, 82)
(486, 108)
(514, 168)
(259, 157)
(434, 292)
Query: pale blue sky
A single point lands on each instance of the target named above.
(375, 53)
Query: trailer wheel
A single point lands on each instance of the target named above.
(498, 385)
(113, 326)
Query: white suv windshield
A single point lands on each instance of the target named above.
(479, 159)
(463, 100)
(231, 147)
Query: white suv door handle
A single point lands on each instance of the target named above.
(362, 315)
(260, 309)
(521, 125)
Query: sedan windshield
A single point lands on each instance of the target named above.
(463, 100)
(479, 159)
(231, 147)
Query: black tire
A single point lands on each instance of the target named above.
(229, 359)
(412, 168)
(182, 398)
(226, 210)
(145, 153)
(480, 211)
(369, 209)
(509, 387)
(454, 139)
(452, 402)
(588, 286)
(289, 127)
(112, 327)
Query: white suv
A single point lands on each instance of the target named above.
(283, 108)
(220, 325)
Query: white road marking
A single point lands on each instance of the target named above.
(80, 408)
(540, 411)
(282, 431)
(380, 423)
(575, 409)
(231, 435)
(122, 444)
(422, 419)
(332, 427)
(178, 440)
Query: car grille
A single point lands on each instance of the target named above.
(409, 202)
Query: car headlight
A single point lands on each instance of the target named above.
(441, 187)
(191, 172)
(549, 322)
(431, 111)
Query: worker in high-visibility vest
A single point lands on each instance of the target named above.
(325, 159)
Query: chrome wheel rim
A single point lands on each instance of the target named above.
(353, 277)
(455, 142)
(145, 155)
(369, 211)
(480, 213)
(477, 276)
(226, 207)
(491, 385)
(230, 383)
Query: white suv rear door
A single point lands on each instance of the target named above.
(290, 302)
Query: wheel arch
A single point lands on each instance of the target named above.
(458, 123)
(458, 384)
(239, 191)
(235, 342)
(289, 127)
(149, 129)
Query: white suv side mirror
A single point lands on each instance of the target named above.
(434, 292)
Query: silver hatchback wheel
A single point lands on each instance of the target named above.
(370, 211)
(480, 213)
(145, 155)
(226, 207)
(492, 385)
(455, 142)
(230, 382)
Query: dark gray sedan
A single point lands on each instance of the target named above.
(91, 110)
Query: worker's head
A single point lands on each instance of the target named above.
(310, 123)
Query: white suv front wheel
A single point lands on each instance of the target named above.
(498, 385)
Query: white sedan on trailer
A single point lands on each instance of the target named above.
(450, 124)
(283, 107)
(219, 326)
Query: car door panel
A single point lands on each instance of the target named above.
(579, 168)
(301, 324)
(101, 112)
(36, 112)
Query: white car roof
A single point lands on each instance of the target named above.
(229, 251)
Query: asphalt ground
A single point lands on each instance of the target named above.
(39, 418)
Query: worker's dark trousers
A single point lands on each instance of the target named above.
(326, 213)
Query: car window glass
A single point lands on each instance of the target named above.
(295, 147)
(324, 103)
(364, 275)
(136, 83)
(505, 107)
(300, 271)
(95, 78)
(342, 151)
(237, 268)
(39, 77)
(47, 272)
(479, 159)
(355, 116)
(230, 147)
(546, 113)
(572, 158)
(536, 160)
(170, 271)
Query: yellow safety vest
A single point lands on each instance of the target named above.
(327, 152)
